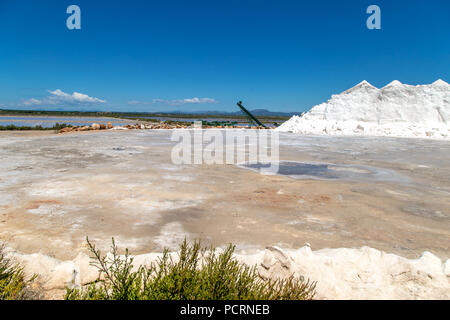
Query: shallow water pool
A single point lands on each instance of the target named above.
(328, 171)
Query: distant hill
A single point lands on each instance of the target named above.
(264, 112)
(185, 114)
(256, 112)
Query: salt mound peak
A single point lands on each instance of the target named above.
(394, 83)
(362, 85)
(440, 82)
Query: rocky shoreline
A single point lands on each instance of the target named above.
(147, 126)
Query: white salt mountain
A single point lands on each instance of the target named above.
(398, 110)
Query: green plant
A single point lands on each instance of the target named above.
(12, 127)
(197, 274)
(13, 283)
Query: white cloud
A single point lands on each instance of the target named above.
(32, 102)
(58, 97)
(135, 102)
(59, 93)
(178, 102)
(74, 97)
(199, 100)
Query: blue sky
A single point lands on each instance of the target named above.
(206, 55)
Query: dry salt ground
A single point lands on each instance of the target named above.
(396, 110)
(392, 194)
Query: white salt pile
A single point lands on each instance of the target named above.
(397, 110)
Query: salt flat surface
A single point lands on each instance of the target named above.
(57, 189)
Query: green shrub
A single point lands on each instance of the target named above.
(12, 127)
(13, 283)
(198, 274)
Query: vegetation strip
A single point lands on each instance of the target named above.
(197, 273)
